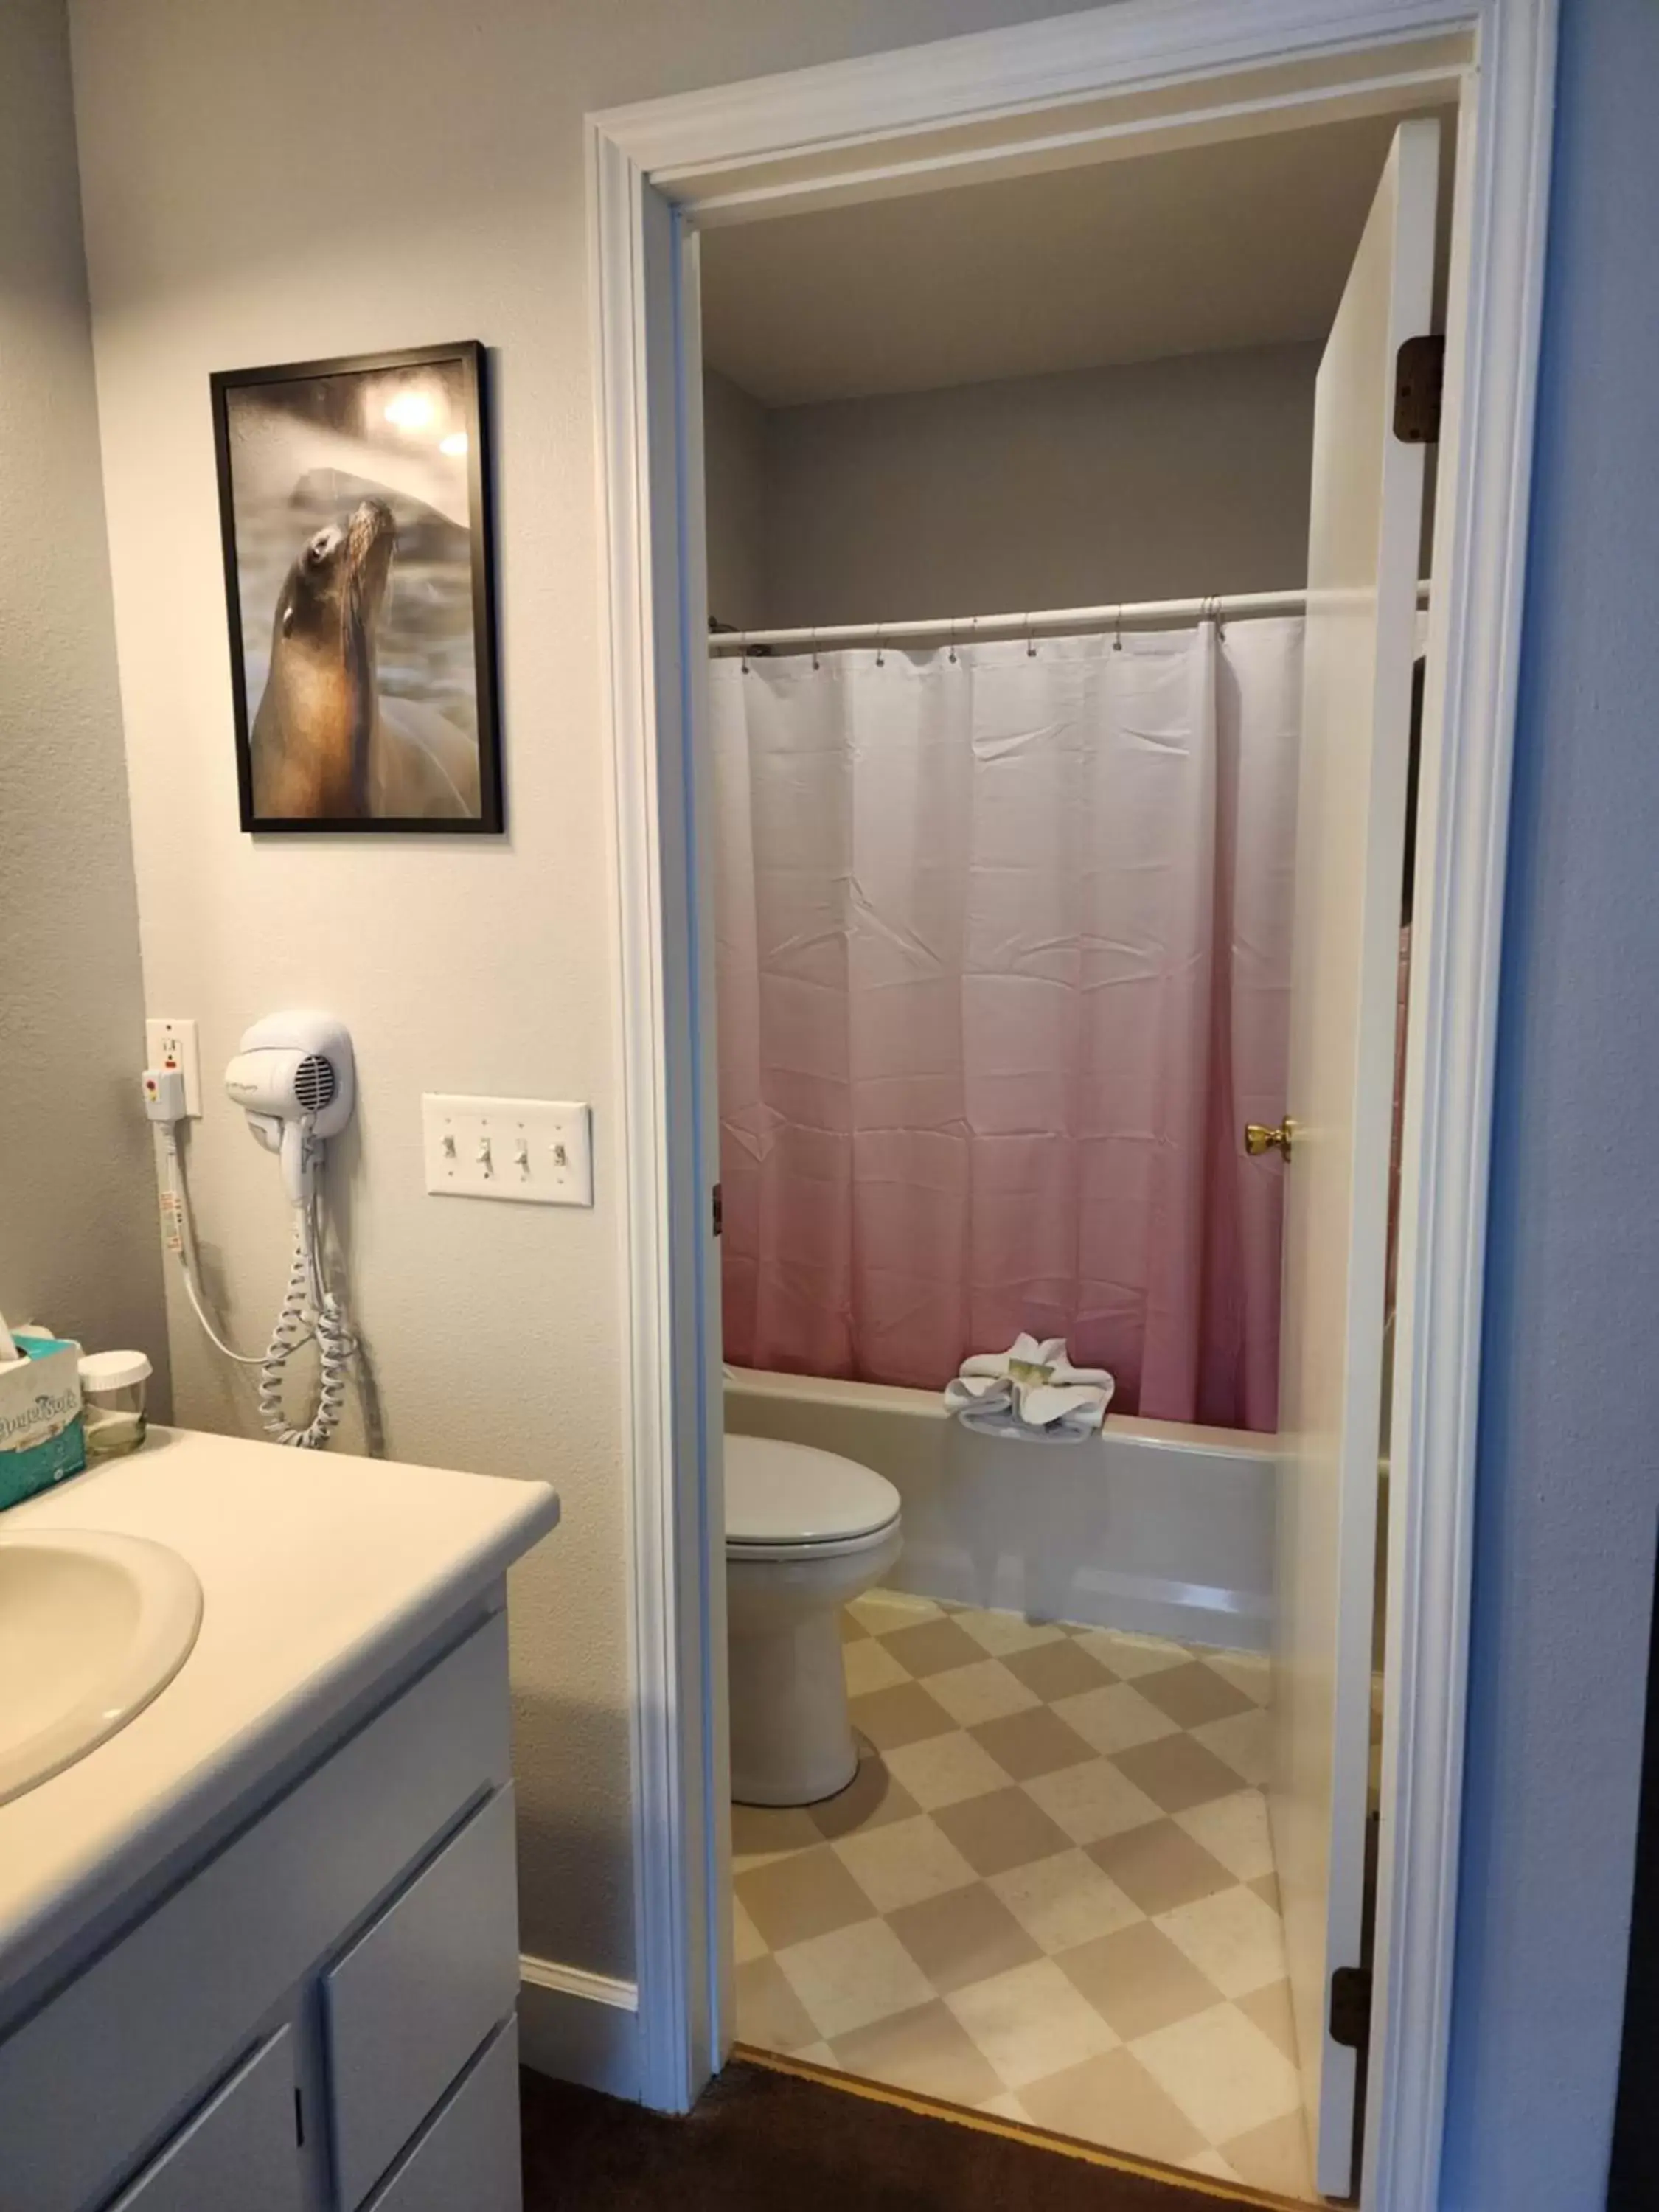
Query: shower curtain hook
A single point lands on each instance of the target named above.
(815, 648)
(1030, 642)
(953, 640)
(743, 650)
(1117, 628)
(1220, 621)
(881, 656)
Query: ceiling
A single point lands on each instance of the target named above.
(1242, 243)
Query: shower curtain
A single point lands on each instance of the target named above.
(1003, 969)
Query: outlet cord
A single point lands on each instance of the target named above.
(310, 1314)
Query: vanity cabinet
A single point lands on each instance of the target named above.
(320, 2016)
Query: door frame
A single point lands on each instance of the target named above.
(1114, 80)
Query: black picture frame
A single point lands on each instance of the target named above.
(421, 754)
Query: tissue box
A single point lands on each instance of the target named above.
(41, 1435)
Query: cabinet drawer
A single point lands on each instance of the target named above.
(418, 1992)
(126, 2049)
(241, 2149)
(470, 2154)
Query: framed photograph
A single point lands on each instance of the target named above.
(353, 502)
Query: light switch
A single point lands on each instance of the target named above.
(534, 1150)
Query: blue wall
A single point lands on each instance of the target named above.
(1569, 1468)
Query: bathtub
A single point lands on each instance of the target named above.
(1152, 1527)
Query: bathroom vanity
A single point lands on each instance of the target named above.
(258, 1948)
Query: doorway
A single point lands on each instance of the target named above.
(648, 268)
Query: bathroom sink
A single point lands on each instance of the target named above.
(92, 1627)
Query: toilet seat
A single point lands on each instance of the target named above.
(787, 1501)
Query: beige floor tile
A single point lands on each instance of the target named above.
(1129, 1656)
(1194, 1693)
(1232, 1938)
(1092, 1800)
(999, 1633)
(1031, 1743)
(1065, 1900)
(1242, 1740)
(1004, 1829)
(904, 1714)
(869, 1665)
(905, 1861)
(1137, 1979)
(1114, 1718)
(747, 1941)
(1270, 2009)
(1266, 1887)
(1222, 2071)
(880, 1611)
(932, 1646)
(872, 1799)
(1112, 2099)
(1006, 2106)
(928, 2051)
(1177, 1772)
(1274, 2156)
(760, 1832)
(1063, 1669)
(851, 1628)
(856, 1975)
(964, 1936)
(983, 1692)
(943, 1770)
(1030, 2022)
(1233, 1829)
(1249, 1671)
(806, 1894)
(816, 2054)
(1210, 2163)
(770, 2013)
(1160, 1866)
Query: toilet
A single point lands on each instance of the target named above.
(806, 1531)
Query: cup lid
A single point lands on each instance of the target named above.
(113, 1370)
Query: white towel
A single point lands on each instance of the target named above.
(1032, 1391)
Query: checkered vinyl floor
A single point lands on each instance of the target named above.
(1048, 1893)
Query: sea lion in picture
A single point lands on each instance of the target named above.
(313, 736)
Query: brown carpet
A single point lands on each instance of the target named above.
(765, 2141)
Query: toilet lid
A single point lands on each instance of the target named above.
(779, 1493)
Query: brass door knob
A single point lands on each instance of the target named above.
(1259, 1138)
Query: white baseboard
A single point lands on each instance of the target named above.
(578, 2027)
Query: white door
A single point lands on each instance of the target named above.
(1362, 575)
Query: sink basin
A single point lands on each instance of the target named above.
(92, 1627)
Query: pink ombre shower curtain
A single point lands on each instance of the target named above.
(1002, 965)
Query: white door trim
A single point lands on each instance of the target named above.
(644, 167)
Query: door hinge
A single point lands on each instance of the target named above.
(718, 1210)
(1419, 373)
(1351, 2006)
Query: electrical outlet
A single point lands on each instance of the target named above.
(532, 1149)
(173, 1044)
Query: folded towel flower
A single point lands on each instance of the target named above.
(1032, 1391)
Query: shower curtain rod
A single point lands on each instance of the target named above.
(965, 629)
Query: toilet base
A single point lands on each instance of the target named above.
(791, 1740)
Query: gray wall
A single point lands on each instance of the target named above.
(79, 1245)
(734, 472)
(1161, 479)
(269, 183)
(1569, 1474)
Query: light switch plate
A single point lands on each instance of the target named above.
(535, 1151)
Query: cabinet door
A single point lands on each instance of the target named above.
(418, 1993)
(470, 2154)
(242, 2149)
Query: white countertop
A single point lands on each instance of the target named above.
(317, 1572)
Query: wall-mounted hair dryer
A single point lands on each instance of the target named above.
(294, 1079)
